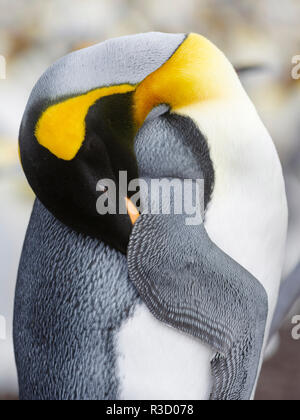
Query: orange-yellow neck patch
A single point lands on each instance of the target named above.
(198, 71)
(61, 128)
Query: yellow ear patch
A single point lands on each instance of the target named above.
(61, 128)
(198, 71)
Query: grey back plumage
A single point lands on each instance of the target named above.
(72, 295)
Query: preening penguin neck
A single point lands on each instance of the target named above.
(73, 294)
(249, 191)
(248, 182)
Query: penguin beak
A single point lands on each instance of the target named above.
(132, 211)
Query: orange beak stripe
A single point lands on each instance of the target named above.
(132, 211)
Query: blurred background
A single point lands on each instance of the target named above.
(260, 35)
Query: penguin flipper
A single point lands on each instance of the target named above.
(188, 283)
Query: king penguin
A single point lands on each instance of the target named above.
(131, 305)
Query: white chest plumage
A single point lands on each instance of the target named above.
(247, 216)
(247, 219)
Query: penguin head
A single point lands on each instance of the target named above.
(86, 113)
